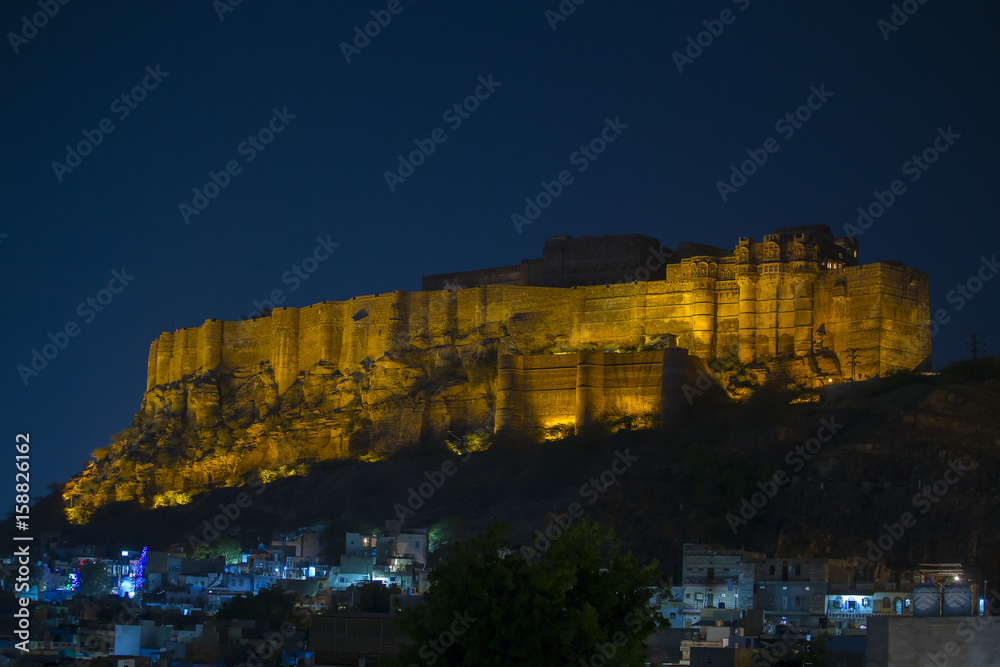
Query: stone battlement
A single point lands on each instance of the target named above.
(798, 292)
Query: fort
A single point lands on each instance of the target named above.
(616, 329)
(798, 300)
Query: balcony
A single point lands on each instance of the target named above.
(854, 616)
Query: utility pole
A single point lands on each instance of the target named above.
(974, 344)
(852, 359)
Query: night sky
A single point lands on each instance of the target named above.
(211, 76)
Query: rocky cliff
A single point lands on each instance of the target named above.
(224, 427)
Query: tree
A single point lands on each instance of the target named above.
(223, 547)
(374, 597)
(95, 579)
(579, 599)
(272, 604)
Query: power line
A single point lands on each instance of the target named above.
(852, 359)
(974, 343)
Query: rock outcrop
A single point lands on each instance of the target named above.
(224, 427)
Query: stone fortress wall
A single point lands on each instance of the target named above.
(546, 390)
(798, 292)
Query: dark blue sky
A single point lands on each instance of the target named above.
(323, 174)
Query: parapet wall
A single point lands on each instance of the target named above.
(879, 310)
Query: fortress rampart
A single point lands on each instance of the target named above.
(714, 308)
(541, 391)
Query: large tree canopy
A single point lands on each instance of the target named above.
(273, 604)
(575, 597)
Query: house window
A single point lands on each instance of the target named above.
(772, 569)
(418, 545)
(798, 570)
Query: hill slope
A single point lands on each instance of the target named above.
(891, 441)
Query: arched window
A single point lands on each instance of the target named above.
(899, 606)
(886, 604)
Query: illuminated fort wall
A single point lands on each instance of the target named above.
(713, 309)
(541, 391)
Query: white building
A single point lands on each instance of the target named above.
(397, 557)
